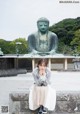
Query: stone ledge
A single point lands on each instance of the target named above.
(67, 102)
(12, 72)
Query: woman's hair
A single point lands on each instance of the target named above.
(42, 61)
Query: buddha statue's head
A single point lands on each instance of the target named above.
(43, 25)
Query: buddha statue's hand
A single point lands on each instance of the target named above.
(34, 52)
(52, 52)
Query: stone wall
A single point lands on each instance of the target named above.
(12, 72)
(14, 63)
(67, 102)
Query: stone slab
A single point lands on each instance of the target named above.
(67, 102)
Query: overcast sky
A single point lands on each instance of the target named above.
(18, 17)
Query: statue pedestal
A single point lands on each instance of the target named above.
(57, 58)
(29, 62)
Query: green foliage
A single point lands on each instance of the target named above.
(65, 31)
(4, 45)
(64, 49)
(76, 42)
(21, 48)
(10, 47)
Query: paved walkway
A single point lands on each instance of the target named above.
(61, 81)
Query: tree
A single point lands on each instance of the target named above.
(4, 45)
(10, 47)
(19, 44)
(76, 42)
(65, 31)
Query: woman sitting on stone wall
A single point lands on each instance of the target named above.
(42, 96)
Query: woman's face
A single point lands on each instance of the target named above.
(42, 67)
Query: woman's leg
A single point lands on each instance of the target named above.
(40, 109)
(50, 99)
(38, 96)
(43, 94)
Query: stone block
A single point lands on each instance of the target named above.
(67, 102)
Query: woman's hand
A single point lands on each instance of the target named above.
(42, 72)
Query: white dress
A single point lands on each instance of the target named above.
(42, 95)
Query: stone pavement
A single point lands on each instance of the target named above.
(62, 81)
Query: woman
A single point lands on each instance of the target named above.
(41, 95)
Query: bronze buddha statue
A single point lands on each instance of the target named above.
(43, 42)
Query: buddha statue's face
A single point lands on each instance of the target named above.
(43, 26)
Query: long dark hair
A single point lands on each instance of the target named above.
(41, 61)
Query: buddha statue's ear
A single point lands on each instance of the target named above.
(37, 24)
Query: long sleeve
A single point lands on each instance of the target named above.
(38, 80)
(48, 75)
(36, 76)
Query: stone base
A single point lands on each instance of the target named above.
(67, 102)
(12, 72)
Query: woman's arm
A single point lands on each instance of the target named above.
(36, 77)
(48, 75)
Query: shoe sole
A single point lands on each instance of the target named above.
(44, 112)
(40, 113)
